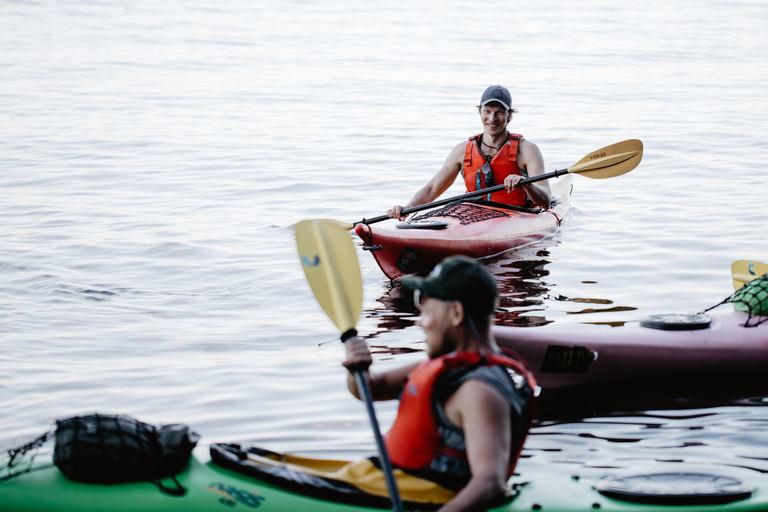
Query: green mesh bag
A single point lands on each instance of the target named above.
(752, 297)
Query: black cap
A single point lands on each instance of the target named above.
(462, 279)
(497, 93)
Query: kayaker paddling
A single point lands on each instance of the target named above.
(462, 419)
(491, 158)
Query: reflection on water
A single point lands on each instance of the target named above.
(734, 436)
(398, 310)
(522, 289)
(657, 393)
(526, 298)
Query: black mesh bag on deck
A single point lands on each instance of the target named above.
(112, 449)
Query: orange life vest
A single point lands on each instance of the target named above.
(503, 164)
(414, 441)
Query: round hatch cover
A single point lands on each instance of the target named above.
(424, 224)
(676, 322)
(675, 488)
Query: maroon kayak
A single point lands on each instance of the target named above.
(675, 355)
(472, 229)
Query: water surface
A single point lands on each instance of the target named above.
(154, 157)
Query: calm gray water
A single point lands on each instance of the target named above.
(154, 156)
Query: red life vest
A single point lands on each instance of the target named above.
(414, 440)
(503, 164)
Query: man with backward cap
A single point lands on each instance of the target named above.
(465, 411)
(490, 158)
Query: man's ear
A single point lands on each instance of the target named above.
(456, 312)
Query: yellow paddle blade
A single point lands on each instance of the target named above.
(330, 263)
(610, 161)
(743, 271)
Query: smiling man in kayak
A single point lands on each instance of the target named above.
(490, 158)
(462, 419)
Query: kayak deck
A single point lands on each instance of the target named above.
(212, 488)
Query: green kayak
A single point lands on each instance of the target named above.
(231, 480)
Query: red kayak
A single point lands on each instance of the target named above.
(473, 229)
(675, 356)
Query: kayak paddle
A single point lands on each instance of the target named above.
(607, 162)
(743, 271)
(330, 263)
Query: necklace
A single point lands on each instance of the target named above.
(489, 146)
(482, 141)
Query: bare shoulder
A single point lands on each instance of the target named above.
(453, 164)
(478, 398)
(529, 158)
(527, 147)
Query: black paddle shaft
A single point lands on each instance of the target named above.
(364, 388)
(468, 195)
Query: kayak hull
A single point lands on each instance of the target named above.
(593, 362)
(407, 250)
(211, 488)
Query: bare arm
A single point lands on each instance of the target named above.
(385, 385)
(529, 159)
(439, 183)
(484, 415)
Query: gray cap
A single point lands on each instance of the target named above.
(497, 93)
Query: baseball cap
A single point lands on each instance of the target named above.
(497, 93)
(458, 278)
